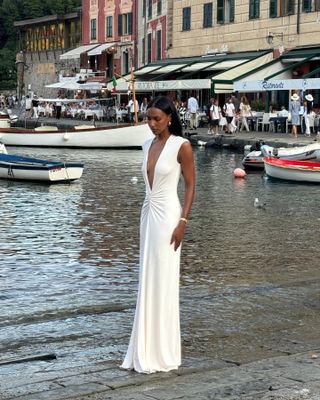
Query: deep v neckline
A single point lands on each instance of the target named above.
(155, 164)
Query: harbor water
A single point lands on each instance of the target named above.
(69, 262)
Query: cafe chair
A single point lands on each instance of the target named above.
(264, 122)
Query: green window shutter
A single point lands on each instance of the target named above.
(251, 9)
(130, 24)
(290, 7)
(220, 11)
(207, 15)
(120, 24)
(231, 16)
(257, 8)
(273, 9)
(186, 19)
(306, 5)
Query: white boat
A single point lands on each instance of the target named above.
(14, 167)
(78, 136)
(292, 170)
(308, 152)
(254, 159)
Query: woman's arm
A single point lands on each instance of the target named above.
(185, 158)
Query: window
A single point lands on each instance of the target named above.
(254, 9)
(159, 7)
(109, 28)
(186, 18)
(306, 5)
(225, 11)
(143, 58)
(125, 24)
(149, 47)
(159, 47)
(207, 15)
(149, 9)
(144, 8)
(125, 61)
(93, 29)
(281, 8)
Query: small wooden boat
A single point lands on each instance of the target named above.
(16, 167)
(121, 136)
(308, 152)
(254, 159)
(292, 170)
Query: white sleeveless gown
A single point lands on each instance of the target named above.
(155, 339)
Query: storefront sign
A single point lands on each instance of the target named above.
(149, 86)
(285, 84)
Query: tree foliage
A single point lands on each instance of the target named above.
(16, 10)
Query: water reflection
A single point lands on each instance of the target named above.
(70, 252)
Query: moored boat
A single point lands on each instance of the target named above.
(254, 159)
(292, 170)
(308, 152)
(122, 136)
(15, 167)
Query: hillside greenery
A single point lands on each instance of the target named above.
(17, 10)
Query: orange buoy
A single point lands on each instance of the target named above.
(239, 173)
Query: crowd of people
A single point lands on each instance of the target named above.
(235, 114)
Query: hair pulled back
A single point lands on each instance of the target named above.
(164, 104)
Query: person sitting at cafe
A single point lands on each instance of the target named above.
(283, 113)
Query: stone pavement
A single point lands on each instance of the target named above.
(291, 377)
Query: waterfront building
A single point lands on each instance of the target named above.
(227, 41)
(154, 30)
(41, 42)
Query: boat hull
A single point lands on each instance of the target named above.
(308, 152)
(14, 167)
(289, 170)
(254, 160)
(124, 136)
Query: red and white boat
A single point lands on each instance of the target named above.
(292, 170)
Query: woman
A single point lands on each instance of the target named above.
(307, 112)
(230, 113)
(295, 117)
(143, 109)
(155, 338)
(245, 111)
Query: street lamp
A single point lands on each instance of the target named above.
(271, 36)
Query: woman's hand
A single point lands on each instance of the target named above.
(178, 234)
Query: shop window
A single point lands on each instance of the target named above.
(207, 15)
(225, 11)
(254, 9)
(186, 18)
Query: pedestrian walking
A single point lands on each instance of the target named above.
(294, 109)
(193, 107)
